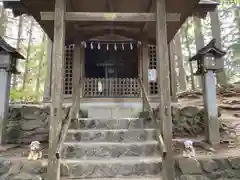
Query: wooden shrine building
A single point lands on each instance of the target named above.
(115, 49)
(101, 48)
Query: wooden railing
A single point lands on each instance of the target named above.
(146, 104)
(71, 116)
(111, 87)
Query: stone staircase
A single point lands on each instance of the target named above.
(124, 148)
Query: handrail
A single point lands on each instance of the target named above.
(72, 115)
(153, 118)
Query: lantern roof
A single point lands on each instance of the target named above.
(5, 47)
(209, 49)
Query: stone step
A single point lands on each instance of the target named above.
(111, 168)
(123, 123)
(110, 135)
(85, 150)
(157, 177)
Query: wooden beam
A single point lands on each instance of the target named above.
(87, 36)
(106, 16)
(148, 10)
(57, 89)
(164, 87)
(109, 27)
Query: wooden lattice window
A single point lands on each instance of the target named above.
(153, 86)
(68, 69)
(111, 87)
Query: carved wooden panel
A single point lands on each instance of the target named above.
(68, 69)
(153, 86)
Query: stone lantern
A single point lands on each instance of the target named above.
(209, 61)
(8, 63)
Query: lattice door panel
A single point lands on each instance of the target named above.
(153, 86)
(111, 87)
(68, 69)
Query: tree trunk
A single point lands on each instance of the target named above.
(37, 91)
(198, 40)
(215, 25)
(181, 70)
(237, 19)
(2, 21)
(14, 80)
(25, 75)
(189, 55)
(172, 69)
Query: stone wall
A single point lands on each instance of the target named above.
(27, 123)
(188, 121)
(22, 169)
(30, 122)
(208, 168)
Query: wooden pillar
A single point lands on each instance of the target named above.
(76, 66)
(82, 69)
(48, 82)
(57, 89)
(140, 68)
(164, 87)
(77, 83)
(172, 69)
(140, 74)
(145, 62)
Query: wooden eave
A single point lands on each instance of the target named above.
(79, 31)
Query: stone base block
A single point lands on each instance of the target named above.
(117, 135)
(126, 123)
(108, 150)
(112, 168)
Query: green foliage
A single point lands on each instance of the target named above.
(24, 95)
(36, 67)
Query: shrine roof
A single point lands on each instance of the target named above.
(81, 31)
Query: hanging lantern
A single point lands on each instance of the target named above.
(99, 47)
(123, 46)
(91, 45)
(115, 46)
(107, 47)
(131, 46)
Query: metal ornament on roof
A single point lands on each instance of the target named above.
(92, 45)
(84, 44)
(97, 45)
(123, 46)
